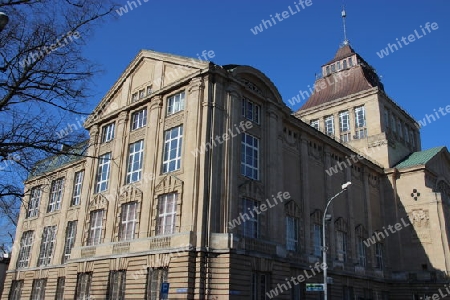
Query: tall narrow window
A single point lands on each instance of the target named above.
(33, 203)
(250, 156)
(328, 70)
(47, 245)
(317, 239)
(135, 158)
(361, 252)
(103, 170)
(250, 224)
(360, 117)
(60, 284)
(400, 129)
(338, 65)
(341, 246)
(154, 279)
(291, 233)
(95, 227)
(345, 63)
(26, 242)
(77, 185)
(38, 289)
(350, 61)
(315, 124)
(175, 103)
(344, 122)
(71, 232)
(139, 119)
(107, 133)
(83, 291)
(386, 118)
(128, 220)
(379, 256)
(260, 286)
(116, 285)
(329, 125)
(251, 110)
(173, 139)
(394, 127)
(167, 209)
(333, 68)
(56, 191)
(406, 132)
(16, 290)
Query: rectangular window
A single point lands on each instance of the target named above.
(360, 134)
(33, 203)
(134, 97)
(406, 133)
(16, 290)
(154, 279)
(95, 227)
(60, 284)
(344, 121)
(333, 68)
(317, 239)
(167, 210)
(107, 133)
(329, 125)
(103, 170)
(250, 224)
(139, 119)
(128, 220)
(77, 185)
(149, 90)
(71, 232)
(135, 160)
(361, 252)
(328, 70)
(345, 63)
(399, 129)
(386, 118)
(141, 94)
(350, 61)
(250, 156)
(116, 285)
(173, 139)
(360, 117)
(315, 124)
(341, 246)
(38, 289)
(26, 243)
(260, 286)
(379, 256)
(83, 291)
(47, 245)
(175, 103)
(394, 128)
(411, 135)
(338, 65)
(250, 110)
(56, 192)
(291, 233)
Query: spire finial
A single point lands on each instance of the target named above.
(344, 15)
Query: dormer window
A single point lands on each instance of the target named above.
(345, 63)
(333, 68)
(328, 70)
(350, 61)
(338, 65)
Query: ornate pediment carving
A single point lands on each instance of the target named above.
(169, 184)
(99, 202)
(130, 194)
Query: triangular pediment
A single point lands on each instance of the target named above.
(145, 77)
(169, 184)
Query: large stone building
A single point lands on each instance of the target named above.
(199, 175)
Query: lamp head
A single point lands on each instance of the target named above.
(345, 185)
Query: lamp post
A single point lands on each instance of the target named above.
(3, 20)
(324, 248)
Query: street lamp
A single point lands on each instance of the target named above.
(324, 248)
(3, 20)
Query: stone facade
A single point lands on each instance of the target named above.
(170, 195)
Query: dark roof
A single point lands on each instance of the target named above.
(54, 162)
(343, 52)
(419, 158)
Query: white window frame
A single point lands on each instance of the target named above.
(175, 103)
(56, 194)
(361, 133)
(128, 221)
(329, 125)
(250, 163)
(360, 117)
(251, 111)
(83, 288)
(77, 186)
(341, 246)
(173, 142)
(33, 203)
(142, 94)
(138, 119)
(250, 226)
(38, 289)
(344, 121)
(108, 132)
(291, 233)
(135, 161)
(47, 246)
(315, 124)
(26, 243)
(95, 227)
(71, 233)
(103, 170)
(149, 90)
(167, 213)
(317, 239)
(116, 285)
(379, 256)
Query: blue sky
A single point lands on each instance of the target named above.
(292, 51)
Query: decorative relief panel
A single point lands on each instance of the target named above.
(106, 147)
(420, 220)
(137, 135)
(99, 202)
(174, 121)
